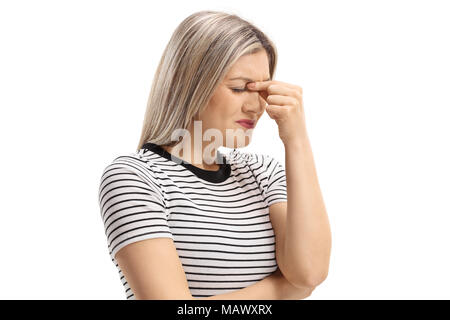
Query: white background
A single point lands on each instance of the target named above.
(75, 77)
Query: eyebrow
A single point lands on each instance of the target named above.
(247, 79)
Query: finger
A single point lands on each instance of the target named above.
(262, 85)
(289, 85)
(282, 90)
(259, 85)
(281, 100)
(262, 92)
(275, 111)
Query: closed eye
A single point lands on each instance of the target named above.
(239, 90)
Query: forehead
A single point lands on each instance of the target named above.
(251, 67)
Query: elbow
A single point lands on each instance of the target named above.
(301, 277)
(314, 281)
(311, 280)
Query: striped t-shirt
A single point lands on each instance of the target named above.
(219, 220)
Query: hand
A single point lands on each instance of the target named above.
(288, 291)
(285, 106)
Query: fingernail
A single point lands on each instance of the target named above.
(251, 85)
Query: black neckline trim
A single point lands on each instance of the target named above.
(211, 176)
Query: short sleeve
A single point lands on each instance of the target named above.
(131, 206)
(273, 181)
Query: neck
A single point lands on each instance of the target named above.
(195, 154)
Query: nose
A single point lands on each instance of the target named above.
(255, 103)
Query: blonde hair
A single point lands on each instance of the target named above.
(197, 57)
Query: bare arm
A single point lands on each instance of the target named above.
(305, 254)
(154, 271)
(272, 287)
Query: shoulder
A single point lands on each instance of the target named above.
(133, 169)
(139, 163)
(133, 161)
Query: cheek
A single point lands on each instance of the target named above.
(235, 102)
(217, 115)
(223, 109)
(228, 105)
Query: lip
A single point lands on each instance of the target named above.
(246, 123)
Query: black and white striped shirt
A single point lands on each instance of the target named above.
(219, 220)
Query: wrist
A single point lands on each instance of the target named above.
(300, 141)
(296, 146)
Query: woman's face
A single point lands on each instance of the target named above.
(232, 101)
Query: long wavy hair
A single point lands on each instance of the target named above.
(199, 54)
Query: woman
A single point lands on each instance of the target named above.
(183, 220)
